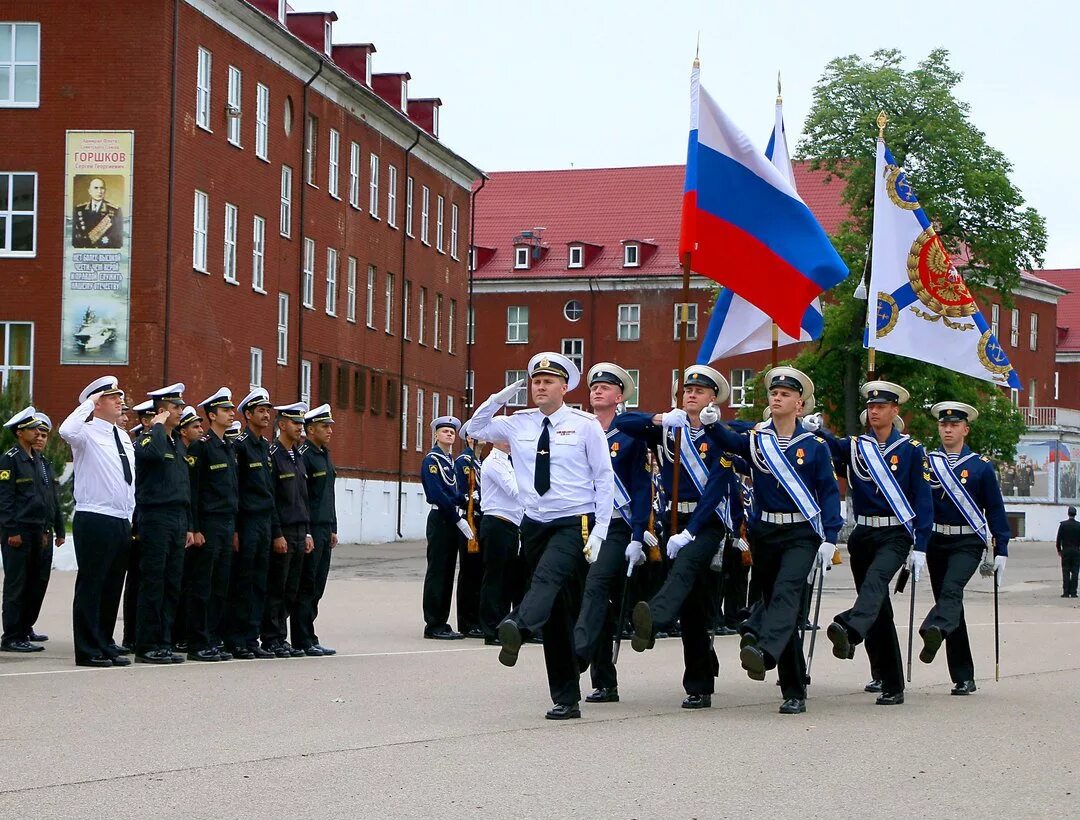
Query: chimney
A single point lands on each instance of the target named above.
(425, 113)
(313, 27)
(355, 60)
(394, 88)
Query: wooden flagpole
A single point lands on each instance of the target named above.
(684, 319)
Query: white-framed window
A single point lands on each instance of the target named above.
(389, 304)
(391, 196)
(202, 89)
(631, 255)
(437, 323)
(328, 28)
(574, 350)
(331, 281)
(404, 416)
(255, 369)
(283, 328)
(470, 386)
(258, 254)
(451, 320)
(406, 298)
(369, 307)
(1014, 331)
(311, 146)
(691, 321)
(995, 320)
(436, 409)
(305, 381)
(576, 258)
(1033, 332)
(419, 420)
(435, 121)
(449, 405)
(354, 175)
(232, 215)
(404, 94)
(439, 206)
(18, 210)
(1057, 385)
(20, 65)
(408, 205)
(740, 381)
(232, 131)
(373, 187)
(262, 121)
(307, 297)
(350, 291)
(17, 357)
(629, 327)
(517, 324)
(1032, 388)
(573, 311)
(522, 395)
(454, 232)
(421, 318)
(335, 152)
(1014, 396)
(425, 215)
(521, 258)
(202, 220)
(470, 326)
(285, 215)
(632, 398)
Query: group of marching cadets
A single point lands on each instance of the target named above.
(218, 538)
(578, 498)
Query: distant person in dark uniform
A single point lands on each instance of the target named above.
(97, 223)
(190, 430)
(55, 531)
(471, 564)
(321, 475)
(1068, 549)
(144, 411)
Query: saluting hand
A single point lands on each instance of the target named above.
(281, 546)
(160, 418)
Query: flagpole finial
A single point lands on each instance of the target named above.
(697, 51)
(779, 95)
(882, 121)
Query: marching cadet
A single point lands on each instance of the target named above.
(315, 567)
(190, 431)
(444, 524)
(706, 485)
(893, 512)
(601, 605)
(256, 518)
(968, 512)
(163, 498)
(24, 515)
(214, 502)
(144, 411)
(471, 566)
(500, 540)
(291, 531)
(564, 474)
(798, 522)
(54, 530)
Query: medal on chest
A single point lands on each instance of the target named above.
(800, 456)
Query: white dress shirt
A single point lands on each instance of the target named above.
(582, 481)
(99, 473)
(499, 489)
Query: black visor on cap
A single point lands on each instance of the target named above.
(551, 369)
(788, 382)
(952, 414)
(607, 377)
(882, 397)
(701, 380)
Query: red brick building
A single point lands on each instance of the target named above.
(297, 222)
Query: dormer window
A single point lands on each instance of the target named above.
(631, 255)
(282, 9)
(521, 258)
(327, 30)
(576, 257)
(404, 94)
(435, 121)
(367, 69)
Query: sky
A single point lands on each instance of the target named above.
(594, 83)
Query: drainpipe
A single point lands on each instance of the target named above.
(303, 202)
(169, 197)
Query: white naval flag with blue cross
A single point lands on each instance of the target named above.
(924, 309)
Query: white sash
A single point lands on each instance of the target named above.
(622, 499)
(446, 467)
(939, 463)
(789, 479)
(886, 481)
(695, 466)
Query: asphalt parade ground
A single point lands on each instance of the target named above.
(399, 726)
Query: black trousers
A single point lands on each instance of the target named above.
(22, 565)
(247, 581)
(101, 547)
(1070, 568)
(314, 569)
(130, 585)
(783, 557)
(283, 585)
(442, 552)
(951, 561)
(501, 585)
(207, 576)
(180, 630)
(469, 580)
(736, 582)
(598, 619)
(39, 582)
(877, 553)
(553, 551)
(162, 534)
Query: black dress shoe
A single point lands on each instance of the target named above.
(313, 651)
(643, 627)
(724, 631)
(563, 711)
(890, 699)
(117, 649)
(175, 658)
(932, 639)
(278, 649)
(243, 654)
(158, 656)
(208, 655)
(492, 642)
(326, 650)
(841, 641)
(510, 639)
(443, 633)
(129, 646)
(873, 686)
(223, 654)
(20, 646)
(293, 651)
(793, 706)
(753, 661)
(37, 638)
(475, 632)
(120, 660)
(100, 661)
(965, 687)
(603, 695)
(697, 702)
(747, 639)
(260, 653)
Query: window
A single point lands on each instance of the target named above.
(262, 121)
(350, 291)
(375, 389)
(360, 380)
(1014, 396)
(232, 133)
(307, 298)
(449, 405)
(691, 321)
(343, 386)
(630, 256)
(18, 210)
(522, 394)
(408, 206)
(285, 217)
(389, 303)
(1032, 386)
(517, 324)
(255, 369)
(451, 318)
(331, 281)
(574, 350)
(435, 408)
(405, 332)
(404, 94)
(425, 211)
(17, 356)
(335, 150)
(629, 328)
(325, 378)
(311, 148)
(421, 310)
(258, 254)
(1014, 331)
(576, 258)
(995, 320)
(202, 90)
(354, 175)
(283, 328)
(419, 420)
(521, 258)
(632, 398)
(740, 381)
(435, 121)
(231, 216)
(391, 196)
(470, 326)
(20, 64)
(470, 382)
(1057, 384)
(404, 416)
(369, 308)
(1033, 333)
(373, 187)
(202, 216)
(305, 381)
(328, 47)
(453, 231)
(437, 326)
(573, 310)
(439, 204)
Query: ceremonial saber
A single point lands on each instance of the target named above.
(911, 630)
(817, 612)
(997, 641)
(622, 613)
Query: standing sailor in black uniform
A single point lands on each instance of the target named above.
(471, 564)
(55, 530)
(319, 426)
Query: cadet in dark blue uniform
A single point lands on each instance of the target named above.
(190, 430)
(968, 512)
(624, 545)
(144, 411)
(319, 424)
(471, 564)
(444, 528)
(893, 511)
(798, 521)
(55, 531)
(704, 517)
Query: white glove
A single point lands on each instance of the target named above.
(916, 563)
(507, 393)
(635, 554)
(650, 540)
(592, 548)
(465, 529)
(677, 542)
(709, 415)
(674, 417)
(812, 422)
(825, 555)
(741, 545)
(999, 568)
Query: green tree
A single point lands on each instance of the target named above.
(57, 452)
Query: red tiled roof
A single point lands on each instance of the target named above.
(1068, 307)
(606, 206)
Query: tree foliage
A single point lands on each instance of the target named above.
(57, 452)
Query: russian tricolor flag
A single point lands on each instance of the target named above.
(744, 225)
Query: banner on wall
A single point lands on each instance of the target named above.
(95, 311)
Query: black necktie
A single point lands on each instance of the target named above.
(542, 480)
(123, 455)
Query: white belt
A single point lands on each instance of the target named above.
(954, 529)
(686, 506)
(878, 521)
(783, 518)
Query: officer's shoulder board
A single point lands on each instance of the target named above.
(819, 439)
(582, 413)
(985, 458)
(204, 438)
(914, 442)
(12, 452)
(274, 447)
(243, 436)
(303, 448)
(527, 411)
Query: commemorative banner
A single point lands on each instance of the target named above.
(95, 312)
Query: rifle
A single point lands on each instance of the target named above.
(473, 545)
